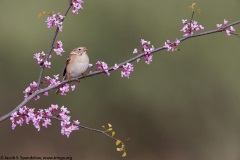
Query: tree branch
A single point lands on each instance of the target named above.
(52, 46)
(85, 127)
(39, 91)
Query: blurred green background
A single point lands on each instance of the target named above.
(183, 106)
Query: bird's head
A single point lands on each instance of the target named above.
(80, 50)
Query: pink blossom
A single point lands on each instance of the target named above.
(127, 69)
(184, 21)
(37, 97)
(135, 51)
(13, 117)
(67, 128)
(47, 79)
(56, 76)
(73, 87)
(58, 49)
(171, 45)
(64, 89)
(30, 115)
(20, 121)
(27, 92)
(55, 20)
(53, 107)
(90, 65)
(148, 56)
(42, 54)
(23, 110)
(102, 66)
(39, 57)
(228, 32)
(64, 110)
(47, 64)
(145, 43)
(147, 51)
(77, 4)
(76, 122)
(48, 112)
(45, 93)
(42, 118)
(36, 56)
(33, 85)
(219, 26)
(46, 122)
(188, 28)
(36, 122)
(115, 67)
(64, 117)
(232, 29)
(225, 22)
(59, 25)
(51, 21)
(223, 27)
(53, 81)
(30, 90)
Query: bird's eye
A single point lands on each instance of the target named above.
(79, 49)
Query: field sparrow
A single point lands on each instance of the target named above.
(76, 63)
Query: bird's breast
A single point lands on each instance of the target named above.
(77, 65)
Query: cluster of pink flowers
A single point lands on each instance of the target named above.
(77, 4)
(229, 30)
(52, 82)
(147, 51)
(64, 89)
(127, 69)
(47, 64)
(58, 49)
(102, 66)
(40, 59)
(30, 89)
(55, 82)
(190, 27)
(171, 45)
(55, 20)
(42, 117)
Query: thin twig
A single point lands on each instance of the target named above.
(110, 69)
(190, 22)
(84, 127)
(236, 34)
(52, 46)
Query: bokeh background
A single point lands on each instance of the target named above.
(183, 106)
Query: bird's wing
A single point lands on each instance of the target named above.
(66, 64)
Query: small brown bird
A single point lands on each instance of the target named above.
(76, 63)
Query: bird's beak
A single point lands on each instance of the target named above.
(85, 49)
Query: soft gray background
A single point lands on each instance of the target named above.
(183, 106)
